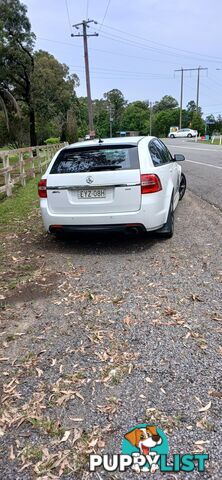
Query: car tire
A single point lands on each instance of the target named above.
(189, 135)
(172, 136)
(183, 186)
(168, 229)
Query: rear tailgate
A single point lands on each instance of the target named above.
(92, 180)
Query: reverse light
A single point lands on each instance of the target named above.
(42, 188)
(150, 183)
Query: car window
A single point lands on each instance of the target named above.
(155, 154)
(98, 158)
(167, 154)
(163, 151)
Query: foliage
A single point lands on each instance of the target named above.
(136, 117)
(116, 101)
(7, 101)
(166, 103)
(53, 95)
(197, 123)
(52, 140)
(16, 55)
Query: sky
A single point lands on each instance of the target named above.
(140, 45)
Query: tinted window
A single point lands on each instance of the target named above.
(165, 151)
(88, 159)
(155, 154)
(159, 153)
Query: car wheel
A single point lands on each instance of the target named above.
(189, 135)
(172, 136)
(183, 186)
(167, 230)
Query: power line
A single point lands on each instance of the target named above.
(140, 45)
(85, 24)
(182, 70)
(161, 44)
(68, 15)
(104, 16)
(107, 51)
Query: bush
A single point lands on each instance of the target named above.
(52, 140)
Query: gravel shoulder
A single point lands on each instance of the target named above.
(99, 334)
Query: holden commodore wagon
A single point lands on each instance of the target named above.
(114, 184)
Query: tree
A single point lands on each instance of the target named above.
(166, 103)
(197, 123)
(54, 97)
(136, 117)
(16, 55)
(192, 108)
(101, 117)
(6, 100)
(164, 120)
(219, 124)
(116, 100)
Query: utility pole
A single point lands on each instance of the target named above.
(181, 95)
(84, 25)
(110, 120)
(182, 70)
(198, 84)
(151, 114)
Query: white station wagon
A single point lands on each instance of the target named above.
(112, 184)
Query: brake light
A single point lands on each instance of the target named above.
(150, 183)
(42, 191)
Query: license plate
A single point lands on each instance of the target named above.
(90, 194)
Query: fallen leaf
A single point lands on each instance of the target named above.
(11, 453)
(148, 380)
(39, 372)
(65, 436)
(76, 419)
(127, 320)
(215, 394)
(204, 409)
(220, 350)
(201, 442)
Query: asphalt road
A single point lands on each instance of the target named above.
(203, 168)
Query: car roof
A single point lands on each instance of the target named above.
(109, 141)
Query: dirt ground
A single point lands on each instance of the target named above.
(99, 334)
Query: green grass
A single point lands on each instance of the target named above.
(216, 142)
(17, 207)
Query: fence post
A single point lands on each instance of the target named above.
(7, 175)
(32, 164)
(22, 169)
(38, 156)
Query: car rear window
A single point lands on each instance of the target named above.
(88, 159)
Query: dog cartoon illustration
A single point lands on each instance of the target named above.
(144, 439)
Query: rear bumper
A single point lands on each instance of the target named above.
(151, 216)
(125, 228)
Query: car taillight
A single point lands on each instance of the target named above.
(150, 183)
(42, 191)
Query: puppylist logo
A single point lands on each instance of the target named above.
(145, 448)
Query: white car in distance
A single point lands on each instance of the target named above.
(183, 132)
(114, 184)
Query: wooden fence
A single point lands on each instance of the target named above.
(23, 163)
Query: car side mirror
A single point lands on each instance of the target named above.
(178, 157)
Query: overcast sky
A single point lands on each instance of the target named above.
(140, 44)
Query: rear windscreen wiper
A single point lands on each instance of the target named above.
(105, 167)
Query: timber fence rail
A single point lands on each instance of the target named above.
(17, 166)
